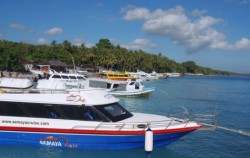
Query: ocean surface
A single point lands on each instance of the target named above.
(226, 96)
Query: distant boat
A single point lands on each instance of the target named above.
(194, 74)
(41, 70)
(122, 88)
(174, 74)
(118, 76)
(134, 88)
(145, 76)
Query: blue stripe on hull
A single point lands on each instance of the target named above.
(113, 142)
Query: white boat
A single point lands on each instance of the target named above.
(15, 84)
(174, 74)
(41, 70)
(122, 88)
(71, 80)
(134, 88)
(145, 76)
(86, 119)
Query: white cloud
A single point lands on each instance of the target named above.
(42, 41)
(78, 41)
(194, 34)
(89, 45)
(139, 43)
(17, 27)
(54, 31)
(243, 43)
(20, 27)
(137, 14)
(198, 12)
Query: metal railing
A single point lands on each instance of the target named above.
(164, 124)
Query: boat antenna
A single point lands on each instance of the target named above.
(74, 64)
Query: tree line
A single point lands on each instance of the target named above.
(103, 54)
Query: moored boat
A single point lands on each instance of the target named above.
(122, 88)
(134, 88)
(119, 76)
(71, 80)
(15, 84)
(86, 119)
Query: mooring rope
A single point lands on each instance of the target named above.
(228, 129)
(235, 131)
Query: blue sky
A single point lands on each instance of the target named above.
(213, 33)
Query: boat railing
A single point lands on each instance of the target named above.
(209, 121)
(164, 124)
(48, 91)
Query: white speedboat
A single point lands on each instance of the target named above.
(71, 80)
(86, 119)
(15, 84)
(134, 88)
(122, 88)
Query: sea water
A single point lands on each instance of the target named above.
(226, 96)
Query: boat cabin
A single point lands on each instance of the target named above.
(134, 86)
(71, 80)
(63, 76)
(105, 113)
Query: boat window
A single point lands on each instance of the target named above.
(137, 85)
(131, 83)
(52, 111)
(72, 112)
(91, 115)
(109, 85)
(35, 110)
(10, 109)
(56, 76)
(64, 77)
(80, 78)
(114, 112)
(72, 77)
(115, 85)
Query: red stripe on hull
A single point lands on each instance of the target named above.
(79, 131)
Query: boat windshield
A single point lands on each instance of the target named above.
(115, 112)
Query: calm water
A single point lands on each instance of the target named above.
(229, 97)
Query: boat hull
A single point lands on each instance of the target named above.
(85, 141)
(144, 92)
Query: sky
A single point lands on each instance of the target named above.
(212, 33)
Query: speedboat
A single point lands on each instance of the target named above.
(71, 80)
(121, 88)
(82, 119)
(15, 84)
(134, 88)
